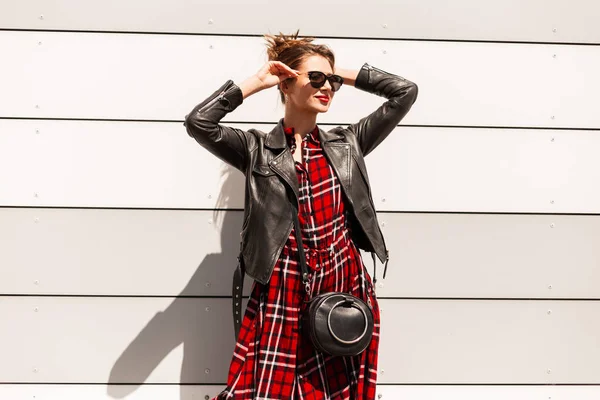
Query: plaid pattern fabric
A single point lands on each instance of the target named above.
(272, 359)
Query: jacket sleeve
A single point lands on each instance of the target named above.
(400, 94)
(202, 123)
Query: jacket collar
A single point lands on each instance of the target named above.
(329, 136)
(276, 138)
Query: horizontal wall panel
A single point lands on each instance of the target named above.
(499, 255)
(192, 392)
(107, 392)
(162, 77)
(192, 253)
(534, 20)
(433, 341)
(118, 340)
(127, 164)
(135, 340)
(440, 392)
(118, 252)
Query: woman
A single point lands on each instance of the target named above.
(324, 173)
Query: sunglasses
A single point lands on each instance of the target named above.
(317, 80)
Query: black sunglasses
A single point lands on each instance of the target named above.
(318, 79)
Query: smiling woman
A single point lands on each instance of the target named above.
(308, 209)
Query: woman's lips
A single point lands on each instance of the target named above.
(323, 99)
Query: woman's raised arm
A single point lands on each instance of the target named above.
(231, 144)
(400, 94)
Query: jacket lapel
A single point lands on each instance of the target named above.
(283, 163)
(338, 154)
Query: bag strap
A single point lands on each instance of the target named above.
(300, 245)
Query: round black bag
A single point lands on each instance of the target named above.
(339, 324)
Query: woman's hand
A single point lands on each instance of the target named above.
(274, 72)
(269, 75)
(349, 75)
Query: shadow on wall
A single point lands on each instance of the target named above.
(181, 323)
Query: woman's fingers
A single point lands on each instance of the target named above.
(274, 72)
(293, 72)
(283, 69)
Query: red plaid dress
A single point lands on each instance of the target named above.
(272, 359)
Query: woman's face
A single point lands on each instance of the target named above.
(301, 95)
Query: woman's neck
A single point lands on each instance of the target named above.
(302, 122)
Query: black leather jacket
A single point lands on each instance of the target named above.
(268, 165)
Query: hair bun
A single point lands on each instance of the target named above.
(277, 44)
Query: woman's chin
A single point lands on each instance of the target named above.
(321, 108)
(316, 108)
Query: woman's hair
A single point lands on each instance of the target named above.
(292, 51)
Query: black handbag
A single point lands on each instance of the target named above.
(337, 323)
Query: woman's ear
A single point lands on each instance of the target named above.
(283, 86)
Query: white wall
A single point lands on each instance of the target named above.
(118, 233)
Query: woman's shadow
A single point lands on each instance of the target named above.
(202, 325)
